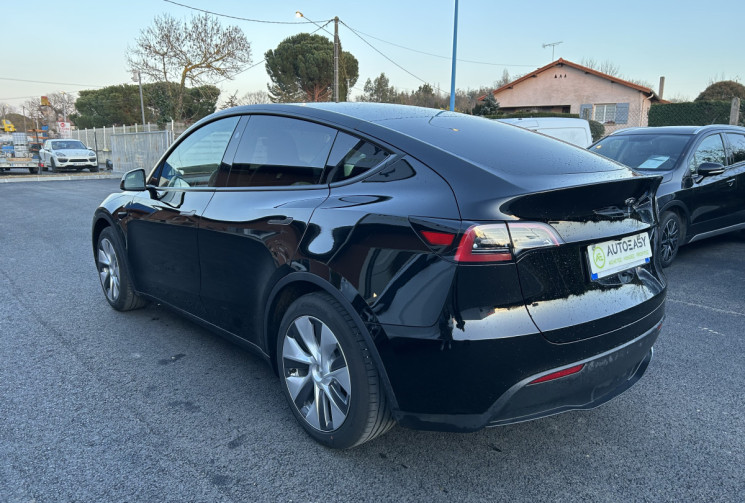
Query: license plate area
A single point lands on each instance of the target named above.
(611, 257)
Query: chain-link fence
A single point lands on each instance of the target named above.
(138, 150)
(101, 140)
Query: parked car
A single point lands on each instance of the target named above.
(395, 263)
(57, 155)
(703, 189)
(568, 129)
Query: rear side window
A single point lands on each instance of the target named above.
(351, 157)
(737, 142)
(279, 151)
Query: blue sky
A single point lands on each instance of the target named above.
(77, 45)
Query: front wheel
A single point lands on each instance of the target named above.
(53, 165)
(112, 271)
(328, 376)
(672, 233)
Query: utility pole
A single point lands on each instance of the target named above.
(336, 51)
(142, 103)
(336, 59)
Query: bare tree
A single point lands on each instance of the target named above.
(250, 98)
(198, 52)
(63, 103)
(607, 67)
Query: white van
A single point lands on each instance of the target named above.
(575, 131)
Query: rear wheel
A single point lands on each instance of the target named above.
(329, 378)
(113, 273)
(672, 233)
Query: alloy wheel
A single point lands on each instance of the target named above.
(108, 269)
(670, 236)
(316, 373)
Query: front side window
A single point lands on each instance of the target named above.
(279, 151)
(737, 142)
(196, 160)
(711, 149)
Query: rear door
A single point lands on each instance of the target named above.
(711, 200)
(251, 229)
(736, 145)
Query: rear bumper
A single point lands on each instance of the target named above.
(603, 377)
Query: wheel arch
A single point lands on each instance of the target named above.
(297, 284)
(682, 211)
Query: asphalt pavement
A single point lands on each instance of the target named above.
(97, 405)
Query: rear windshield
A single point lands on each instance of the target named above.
(500, 148)
(646, 152)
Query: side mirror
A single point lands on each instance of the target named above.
(710, 169)
(133, 180)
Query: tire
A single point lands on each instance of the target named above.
(672, 233)
(113, 273)
(93, 169)
(328, 376)
(52, 165)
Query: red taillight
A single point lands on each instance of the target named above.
(438, 238)
(484, 243)
(559, 374)
(500, 242)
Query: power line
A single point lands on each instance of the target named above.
(45, 82)
(264, 60)
(386, 57)
(439, 55)
(234, 17)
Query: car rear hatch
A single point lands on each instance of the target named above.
(597, 274)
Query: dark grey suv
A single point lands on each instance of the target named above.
(703, 189)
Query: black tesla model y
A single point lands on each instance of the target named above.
(397, 264)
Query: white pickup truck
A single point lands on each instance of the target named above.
(67, 154)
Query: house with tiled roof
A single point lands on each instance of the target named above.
(566, 87)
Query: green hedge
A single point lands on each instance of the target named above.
(696, 113)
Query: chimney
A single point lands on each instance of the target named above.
(662, 87)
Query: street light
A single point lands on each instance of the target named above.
(336, 51)
(137, 77)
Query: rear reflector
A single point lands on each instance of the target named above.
(438, 238)
(559, 374)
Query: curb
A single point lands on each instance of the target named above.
(55, 178)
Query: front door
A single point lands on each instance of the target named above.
(161, 225)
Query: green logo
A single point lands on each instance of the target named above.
(598, 257)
